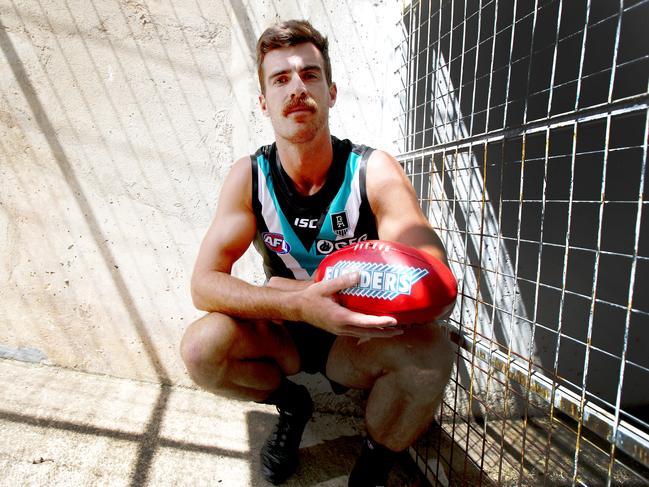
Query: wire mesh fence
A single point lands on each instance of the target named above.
(524, 128)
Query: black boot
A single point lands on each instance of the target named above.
(280, 453)
(373, 465)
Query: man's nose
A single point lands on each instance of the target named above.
(298, 87)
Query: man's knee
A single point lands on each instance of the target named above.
(425, 363)
(421, 355)
(442, 353)
(205, 346)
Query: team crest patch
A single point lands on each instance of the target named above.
(339, 223)
(276, 242)
(381, 281)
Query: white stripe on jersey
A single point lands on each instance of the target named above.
(353, 205)
(271, 218)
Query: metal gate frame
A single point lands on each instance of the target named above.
(448, 156)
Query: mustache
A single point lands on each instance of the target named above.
(302, 103)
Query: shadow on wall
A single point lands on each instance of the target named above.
(117, 125)
(116, 128)
(110, 204)
(68, 173)
(541, 214)
(127, 185)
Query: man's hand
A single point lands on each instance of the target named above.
(317, 305)
(284, 284)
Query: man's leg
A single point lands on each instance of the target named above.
(239, 359)
(406, 376)
(250, 360)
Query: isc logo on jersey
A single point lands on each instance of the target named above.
(276, 242)
(305, 223)
(381, 281)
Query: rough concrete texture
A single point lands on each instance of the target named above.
(65, 427)
(118, 122)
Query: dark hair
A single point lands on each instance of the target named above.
(291, 33)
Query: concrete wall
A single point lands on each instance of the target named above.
(118, 121)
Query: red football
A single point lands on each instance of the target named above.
(395, 280)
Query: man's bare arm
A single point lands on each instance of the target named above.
(398, 214)
(227, 238)
(215, 290)
(394, 203)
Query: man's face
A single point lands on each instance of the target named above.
(297, 97)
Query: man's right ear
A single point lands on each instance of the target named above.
(262, 105)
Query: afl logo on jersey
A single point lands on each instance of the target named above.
(276, 242)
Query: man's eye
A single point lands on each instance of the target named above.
(280, 80)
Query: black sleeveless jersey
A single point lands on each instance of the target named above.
(295, 232)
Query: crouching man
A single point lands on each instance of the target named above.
(296, 200)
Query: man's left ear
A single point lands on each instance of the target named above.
(262, 105)
(333, 93)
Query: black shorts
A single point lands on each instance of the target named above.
(313, 346)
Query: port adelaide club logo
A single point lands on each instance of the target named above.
(339, 223)
(380, 281)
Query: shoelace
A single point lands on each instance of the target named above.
(280, 435)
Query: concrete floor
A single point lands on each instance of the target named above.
(65, 427)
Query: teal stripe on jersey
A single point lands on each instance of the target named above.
(340, 201)
(309, 260)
